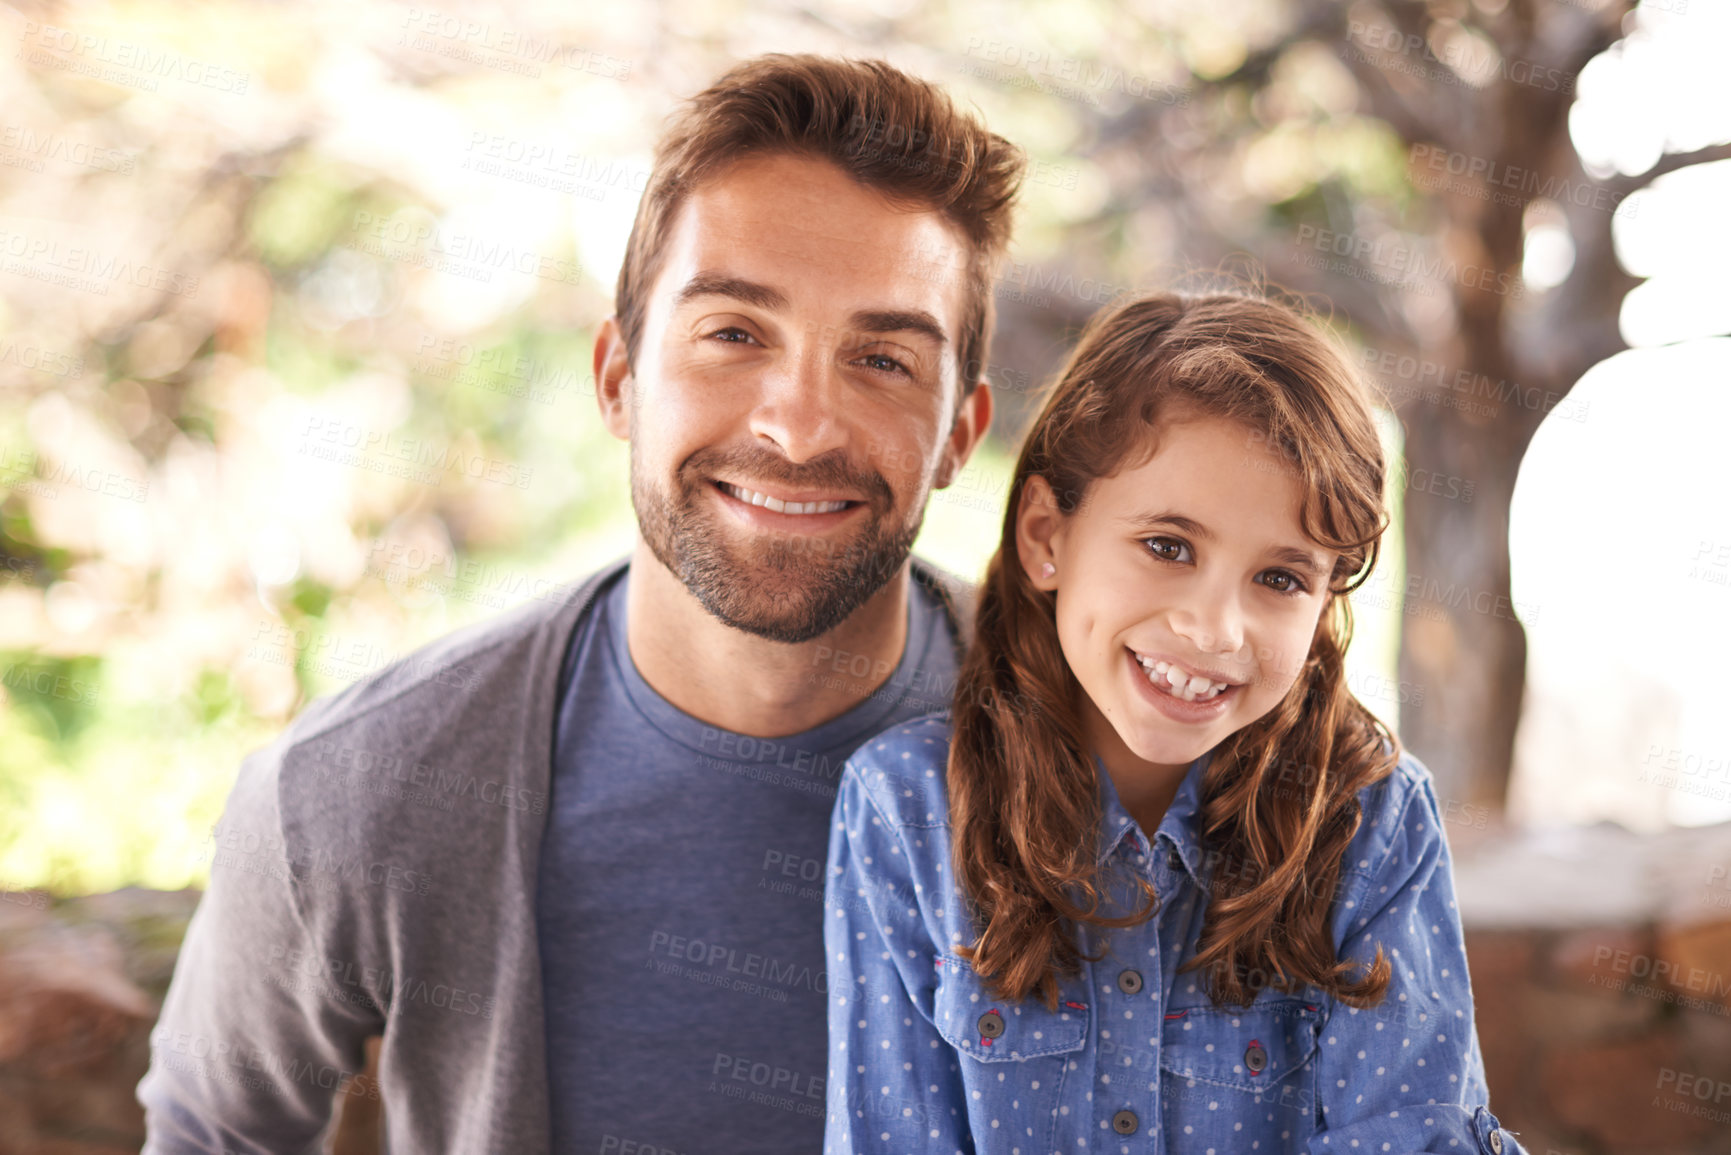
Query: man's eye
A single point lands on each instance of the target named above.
(885, 364)
(732, 334)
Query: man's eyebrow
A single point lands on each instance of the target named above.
(899, 321)
(1300, 559)
(708, 284)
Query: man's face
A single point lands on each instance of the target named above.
(795, 394)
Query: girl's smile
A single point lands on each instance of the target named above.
(1182, 681)
(1156, 685)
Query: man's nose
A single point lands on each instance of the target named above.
(800, 404)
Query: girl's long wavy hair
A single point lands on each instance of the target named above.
(1278, 798)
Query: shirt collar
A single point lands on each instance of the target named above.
(1179, 827)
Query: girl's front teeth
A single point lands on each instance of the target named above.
(1174, 681)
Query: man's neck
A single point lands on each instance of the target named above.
(750, 685)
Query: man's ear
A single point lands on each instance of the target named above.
(973, 418)
(1040, 528)
(613, 381)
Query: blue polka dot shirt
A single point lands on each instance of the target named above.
(1136, 1058)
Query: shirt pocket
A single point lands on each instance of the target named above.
(1020, 1062)
(986, 1028)
(1250, 1065)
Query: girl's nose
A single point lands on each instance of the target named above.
(1213, 625)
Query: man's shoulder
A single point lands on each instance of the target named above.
(458, 711)
(470, 662)
(955, 595)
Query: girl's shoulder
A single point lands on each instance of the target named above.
(1409, 776)
(902, 771)
(1400, 814)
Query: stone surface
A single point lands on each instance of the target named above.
(1588, 958)
(1594, 876)
(1500, 964)
(1562, 1018)
(80, 987)
(1611, 1092)
(1698, 958)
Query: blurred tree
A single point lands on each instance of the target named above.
(1400, 159)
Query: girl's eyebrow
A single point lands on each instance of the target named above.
(1299, 559)
(1177, 521)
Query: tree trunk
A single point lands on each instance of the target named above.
(1463, 648)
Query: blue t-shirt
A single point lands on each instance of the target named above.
(1136, 1058)
(680, 901)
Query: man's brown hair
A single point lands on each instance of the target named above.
(887, 130)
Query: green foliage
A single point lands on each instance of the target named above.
(57, 695)
(301, 212)
(311, 598)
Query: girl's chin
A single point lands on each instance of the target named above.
(1163, 751)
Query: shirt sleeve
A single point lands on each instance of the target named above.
(1407, 1075)
(241, 1064)
(894, 1084)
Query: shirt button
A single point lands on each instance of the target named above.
(1497, 1142)
(1255, 1057)
(1125, 1122)
(991, 1025)
(1130, 982)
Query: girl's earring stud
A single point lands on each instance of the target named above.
(1048, 570)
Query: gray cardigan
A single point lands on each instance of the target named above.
(374, 874)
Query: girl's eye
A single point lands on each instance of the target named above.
(1285, 581)
(1167, 549)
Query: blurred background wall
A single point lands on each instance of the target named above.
(296, 304)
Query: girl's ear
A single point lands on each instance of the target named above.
(1040, 526)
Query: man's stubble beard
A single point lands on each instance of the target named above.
(787, 588)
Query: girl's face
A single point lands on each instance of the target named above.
(1187, 594)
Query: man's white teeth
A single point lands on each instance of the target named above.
(1176, 682)
(779, 506)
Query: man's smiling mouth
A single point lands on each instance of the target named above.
(777, 505)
